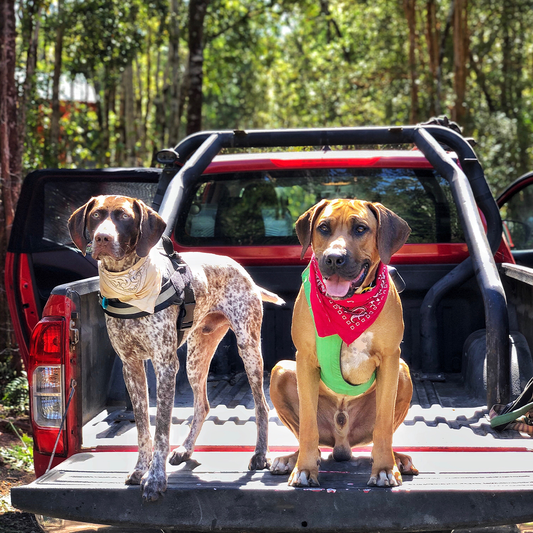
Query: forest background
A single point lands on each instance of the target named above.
(154, 71)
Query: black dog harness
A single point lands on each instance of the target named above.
(175, 290)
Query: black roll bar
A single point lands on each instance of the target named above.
(469, 189)
(482, 260)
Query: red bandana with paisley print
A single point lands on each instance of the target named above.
(350, 317)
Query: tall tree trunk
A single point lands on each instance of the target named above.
(149, 95)
(139, 93)
(409, 7)
(56, 111)
(159, 110)
(432, 37)
(442, 50)
(512, 57)
(129, 115)
(121, 128)
(197, 10)
(106, 133)
(100, 83)
(173, 93)
(10, 149)
(10, 159)
(460, 60)
(33, 24)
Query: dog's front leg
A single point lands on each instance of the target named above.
(385, 472)
(306, 470)
(154, 482)
(308, 379)
(135, 379)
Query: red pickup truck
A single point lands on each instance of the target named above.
(467, 311)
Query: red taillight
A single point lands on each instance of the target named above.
(47, 341)
(46, 375)
(50, 342)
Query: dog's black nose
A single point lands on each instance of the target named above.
(103, 238)
(335, 259)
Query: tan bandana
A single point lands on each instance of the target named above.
(140, 285)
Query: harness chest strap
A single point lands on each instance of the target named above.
(329, 356)
(177, 290)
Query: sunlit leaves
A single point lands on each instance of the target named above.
(281, 63)
(104, 34)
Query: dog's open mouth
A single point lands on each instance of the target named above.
(341, 288)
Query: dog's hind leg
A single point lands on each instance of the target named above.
(249, 344)
(135, 379)
(201, 346)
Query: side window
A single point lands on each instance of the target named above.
(517, 218)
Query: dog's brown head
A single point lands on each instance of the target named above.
(349, 238)
(117, 226)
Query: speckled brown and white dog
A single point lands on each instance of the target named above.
(123, 231)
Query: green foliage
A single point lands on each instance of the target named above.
(103, 38)
(19, 456)
(275, 63)
(16, 394)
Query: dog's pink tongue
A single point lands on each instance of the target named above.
(337, 287)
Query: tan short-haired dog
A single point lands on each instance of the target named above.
(348, 386)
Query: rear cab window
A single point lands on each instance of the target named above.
(260, 207)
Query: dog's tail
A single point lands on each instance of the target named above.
(271, 297)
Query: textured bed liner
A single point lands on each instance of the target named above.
(441, 414)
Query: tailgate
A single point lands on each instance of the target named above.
(455, 488)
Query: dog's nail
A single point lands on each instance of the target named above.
(383, 480)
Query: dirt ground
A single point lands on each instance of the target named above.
(11, 520)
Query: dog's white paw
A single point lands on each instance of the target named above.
(303, 478)
(280, 467)
(385, 479)
(283, 465)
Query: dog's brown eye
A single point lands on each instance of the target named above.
(323, 228)
(360, 229)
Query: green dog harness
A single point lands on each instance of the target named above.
(328, 351)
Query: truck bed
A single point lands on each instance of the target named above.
(441, 414)
(482, 474)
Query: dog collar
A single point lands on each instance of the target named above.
(328, 350)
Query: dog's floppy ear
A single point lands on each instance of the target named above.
(305, 224)
(77, 226)
(151, 228)
(393, 231)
